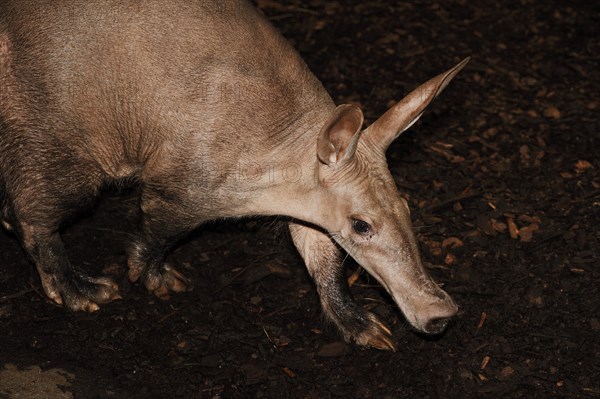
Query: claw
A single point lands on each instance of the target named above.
(382, 342)
(174, 280)
(382, 326)
(92, 307)
(135, 271)
(375, 335)
(162, 292)
(80, 293)
(56, 298)
(50, 287)
(108, 292)
(162, 282)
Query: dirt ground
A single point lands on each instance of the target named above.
(502, 175)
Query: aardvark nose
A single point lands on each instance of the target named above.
(439, 316)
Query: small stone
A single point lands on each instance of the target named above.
(595, 324)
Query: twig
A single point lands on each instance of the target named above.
(165, 317)
(231, 280)
(269, 338)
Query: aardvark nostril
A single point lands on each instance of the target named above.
(436, 326)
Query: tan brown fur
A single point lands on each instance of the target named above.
(208, 109)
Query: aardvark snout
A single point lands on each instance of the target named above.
(436, 316)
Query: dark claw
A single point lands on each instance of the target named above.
(361, 326)
(161, 282)
(376, 335)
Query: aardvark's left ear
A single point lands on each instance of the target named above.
(338, 137)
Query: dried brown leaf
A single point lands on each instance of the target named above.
(485, 362)
(513, 230)
(506, 373)
(526, 233)
(450, 259)
(552, 113)
(499, 226)
(582, 165)
(452, 242)
(289, 372)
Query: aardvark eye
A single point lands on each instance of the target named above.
(360, 226)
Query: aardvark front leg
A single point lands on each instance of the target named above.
(324, 262)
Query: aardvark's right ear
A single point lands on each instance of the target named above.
(408, 110)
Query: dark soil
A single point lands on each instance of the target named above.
(503, 178)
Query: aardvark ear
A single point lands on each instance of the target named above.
(338, 137)
(408, 110)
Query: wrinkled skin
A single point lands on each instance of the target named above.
(234, 124)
